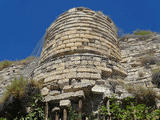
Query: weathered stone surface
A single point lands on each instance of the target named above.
(79, 86)
(55, 109)
(125, 95)
(99, 89)
(54, 92)
(107, 94)
(65, 103)
(8, 74)
(69, 95)
(135, 50)
(44, 91)
(76, 52)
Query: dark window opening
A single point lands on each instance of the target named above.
(70, 81)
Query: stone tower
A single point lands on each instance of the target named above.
(79, 62)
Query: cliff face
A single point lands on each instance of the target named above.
(83, 62)
(8, 74)
(15, 70)
(139, 56)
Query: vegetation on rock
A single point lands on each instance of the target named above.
(156, 77)
(19, 95)
(143, 95)
(149, 60)
(142, 32)
(6, 63)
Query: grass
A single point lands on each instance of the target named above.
(18, 88)
(6, 63)
(142, 32)
(148, 60)
(3, 119)
(156, 77)
(18, 95)
(26, 60)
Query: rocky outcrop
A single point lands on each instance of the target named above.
(8, 74)
(139, 54)
(23, 68)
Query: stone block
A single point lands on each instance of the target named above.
(63, 96)
(63, 82)
(44, 91)
(65, 103)
(55, 109)
(97, 89)
(54, 92)
(79, 86)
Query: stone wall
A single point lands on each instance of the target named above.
(81, 30)
(80, 66)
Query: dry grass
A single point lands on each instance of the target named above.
(26, 60)
(148, 60)
(142, 32)
(6, 63)
(156, 77)
(143, 94)
(18, 88)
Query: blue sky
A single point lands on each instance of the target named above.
(24, 22)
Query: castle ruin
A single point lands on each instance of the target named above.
(83, 63)
(80, 63)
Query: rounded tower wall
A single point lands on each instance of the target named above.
(81, 30)
(80, 56)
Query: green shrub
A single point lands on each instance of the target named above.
(16, 89)
(20, 94)
(156, 77)
(128, 109)
(142, 32)
(143, 95)
(73, 115)
(3, 119)
(36, 110)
